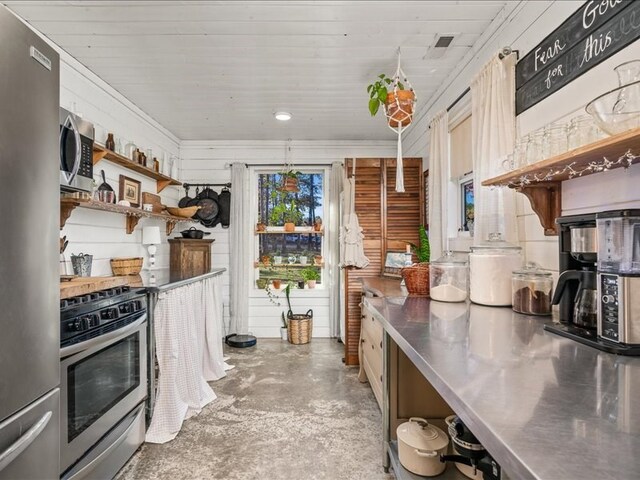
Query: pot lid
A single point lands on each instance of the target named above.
(452, 258)
(532, 269)
(418, 433)
(495, 242)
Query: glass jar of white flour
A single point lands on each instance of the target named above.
(449, 277)
(490, 266)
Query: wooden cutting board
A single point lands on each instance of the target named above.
(154, 200)
(84, 285)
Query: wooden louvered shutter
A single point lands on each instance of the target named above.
(388, 220)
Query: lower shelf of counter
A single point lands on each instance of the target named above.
(451, 473)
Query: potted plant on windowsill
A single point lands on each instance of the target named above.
(311, 276)
(397, 102)
(317, 224)
(260, 225)
(416, 277)
(292, 217)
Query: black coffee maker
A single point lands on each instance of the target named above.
(576, 292)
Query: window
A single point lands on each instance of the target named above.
(467, 203)
(285, 255)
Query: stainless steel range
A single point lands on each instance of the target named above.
(103, 367)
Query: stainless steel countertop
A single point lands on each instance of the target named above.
(545, 406)
(157, 280)
(383, 286)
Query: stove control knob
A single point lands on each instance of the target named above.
(75, 325)
(608, 299)
(125, 308)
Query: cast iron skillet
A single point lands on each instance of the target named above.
(184, 201)
(209, 207)
(194, 233)
(193, 202)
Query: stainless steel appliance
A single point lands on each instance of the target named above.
(76, 153)
(103, 369)
(29, 343)
(619, 278)
(599, 272)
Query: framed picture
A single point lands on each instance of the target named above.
(130, 190)
(393, 263)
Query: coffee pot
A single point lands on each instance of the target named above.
(585, 302)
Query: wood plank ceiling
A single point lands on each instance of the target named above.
(211, 70)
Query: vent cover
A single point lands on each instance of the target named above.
(444, 41)
(439, 47)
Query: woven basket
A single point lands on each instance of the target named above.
(300, 327)
(416, 279)
(126, 266)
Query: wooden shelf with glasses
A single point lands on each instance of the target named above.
(133, 215)
(541, 181)
(162, 181)
(297, 231)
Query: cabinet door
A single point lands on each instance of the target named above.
(196, 260)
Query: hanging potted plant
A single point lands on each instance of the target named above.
(397, 101)
(290, 181)
(416, 277)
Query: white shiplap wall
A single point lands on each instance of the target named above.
(206, 162)
(103, 234)
(523, 30)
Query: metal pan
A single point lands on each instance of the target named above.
(184, 201)
(209, 209)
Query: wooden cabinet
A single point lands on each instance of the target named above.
(189, 258)
(371, 353)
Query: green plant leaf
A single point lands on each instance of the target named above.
(388, 80)
(381, 75)
(382, 94)
(369, 88)
(400, 86)
(374, 104)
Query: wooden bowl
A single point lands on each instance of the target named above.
(186, 212)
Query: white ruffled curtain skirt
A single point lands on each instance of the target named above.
(188, 335)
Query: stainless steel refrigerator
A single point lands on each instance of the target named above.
(29, 232)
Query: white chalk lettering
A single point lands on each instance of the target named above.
(544, 55)
(595, 9)
(553, 72)
(594, 46)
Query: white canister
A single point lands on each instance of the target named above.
(491, 264)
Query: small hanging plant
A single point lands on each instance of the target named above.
(391, 94)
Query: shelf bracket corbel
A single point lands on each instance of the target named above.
(132, 221)
(66, 207)
(171, 224)
(545, 199)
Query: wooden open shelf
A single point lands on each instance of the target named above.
(541, 182)
(162, 181)
(133, 215)
(297, 231)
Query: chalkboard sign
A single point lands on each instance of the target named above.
(593, 33)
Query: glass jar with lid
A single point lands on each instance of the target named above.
(532, 287)
(491, 264)
(449, 277)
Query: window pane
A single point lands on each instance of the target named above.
(285, 255)
(468, 213)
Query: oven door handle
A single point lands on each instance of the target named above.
(107, 337)
(20, 445)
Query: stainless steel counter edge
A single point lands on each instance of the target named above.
(186, 281)
(507, 459)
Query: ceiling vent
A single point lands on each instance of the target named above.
(439, 47)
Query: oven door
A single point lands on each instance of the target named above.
(102, 380)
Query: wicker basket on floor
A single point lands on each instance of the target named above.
(300, 327)
(126, 266)
(416, 279)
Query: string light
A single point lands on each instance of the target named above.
(573, 171)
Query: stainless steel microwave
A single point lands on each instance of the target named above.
(76, 153)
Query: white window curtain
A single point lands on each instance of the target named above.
(333, 248)
(493, 123)
(240, 250)
(438, 183)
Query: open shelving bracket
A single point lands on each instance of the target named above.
(545, 199)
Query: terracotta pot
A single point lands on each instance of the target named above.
(276, 284)
(317, 227)
(289, 227)
(317, 260)
(265, 260)
(311, 283)
(420, 446)
(290, 184)
(399, 114)
(261, 227)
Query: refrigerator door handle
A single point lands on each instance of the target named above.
(71, 123)
(20, 445)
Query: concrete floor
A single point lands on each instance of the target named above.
(285, 412)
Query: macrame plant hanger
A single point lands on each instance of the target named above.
(399, 114)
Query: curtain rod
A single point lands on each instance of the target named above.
(505, 52)
(228, 165)
(189, 185)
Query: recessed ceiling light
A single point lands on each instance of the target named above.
(282, 116)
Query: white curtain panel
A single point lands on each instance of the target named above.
(182, 331)
(240, 250)
(438, 183)
(333, 247)
(493, 124)
(213, 364)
